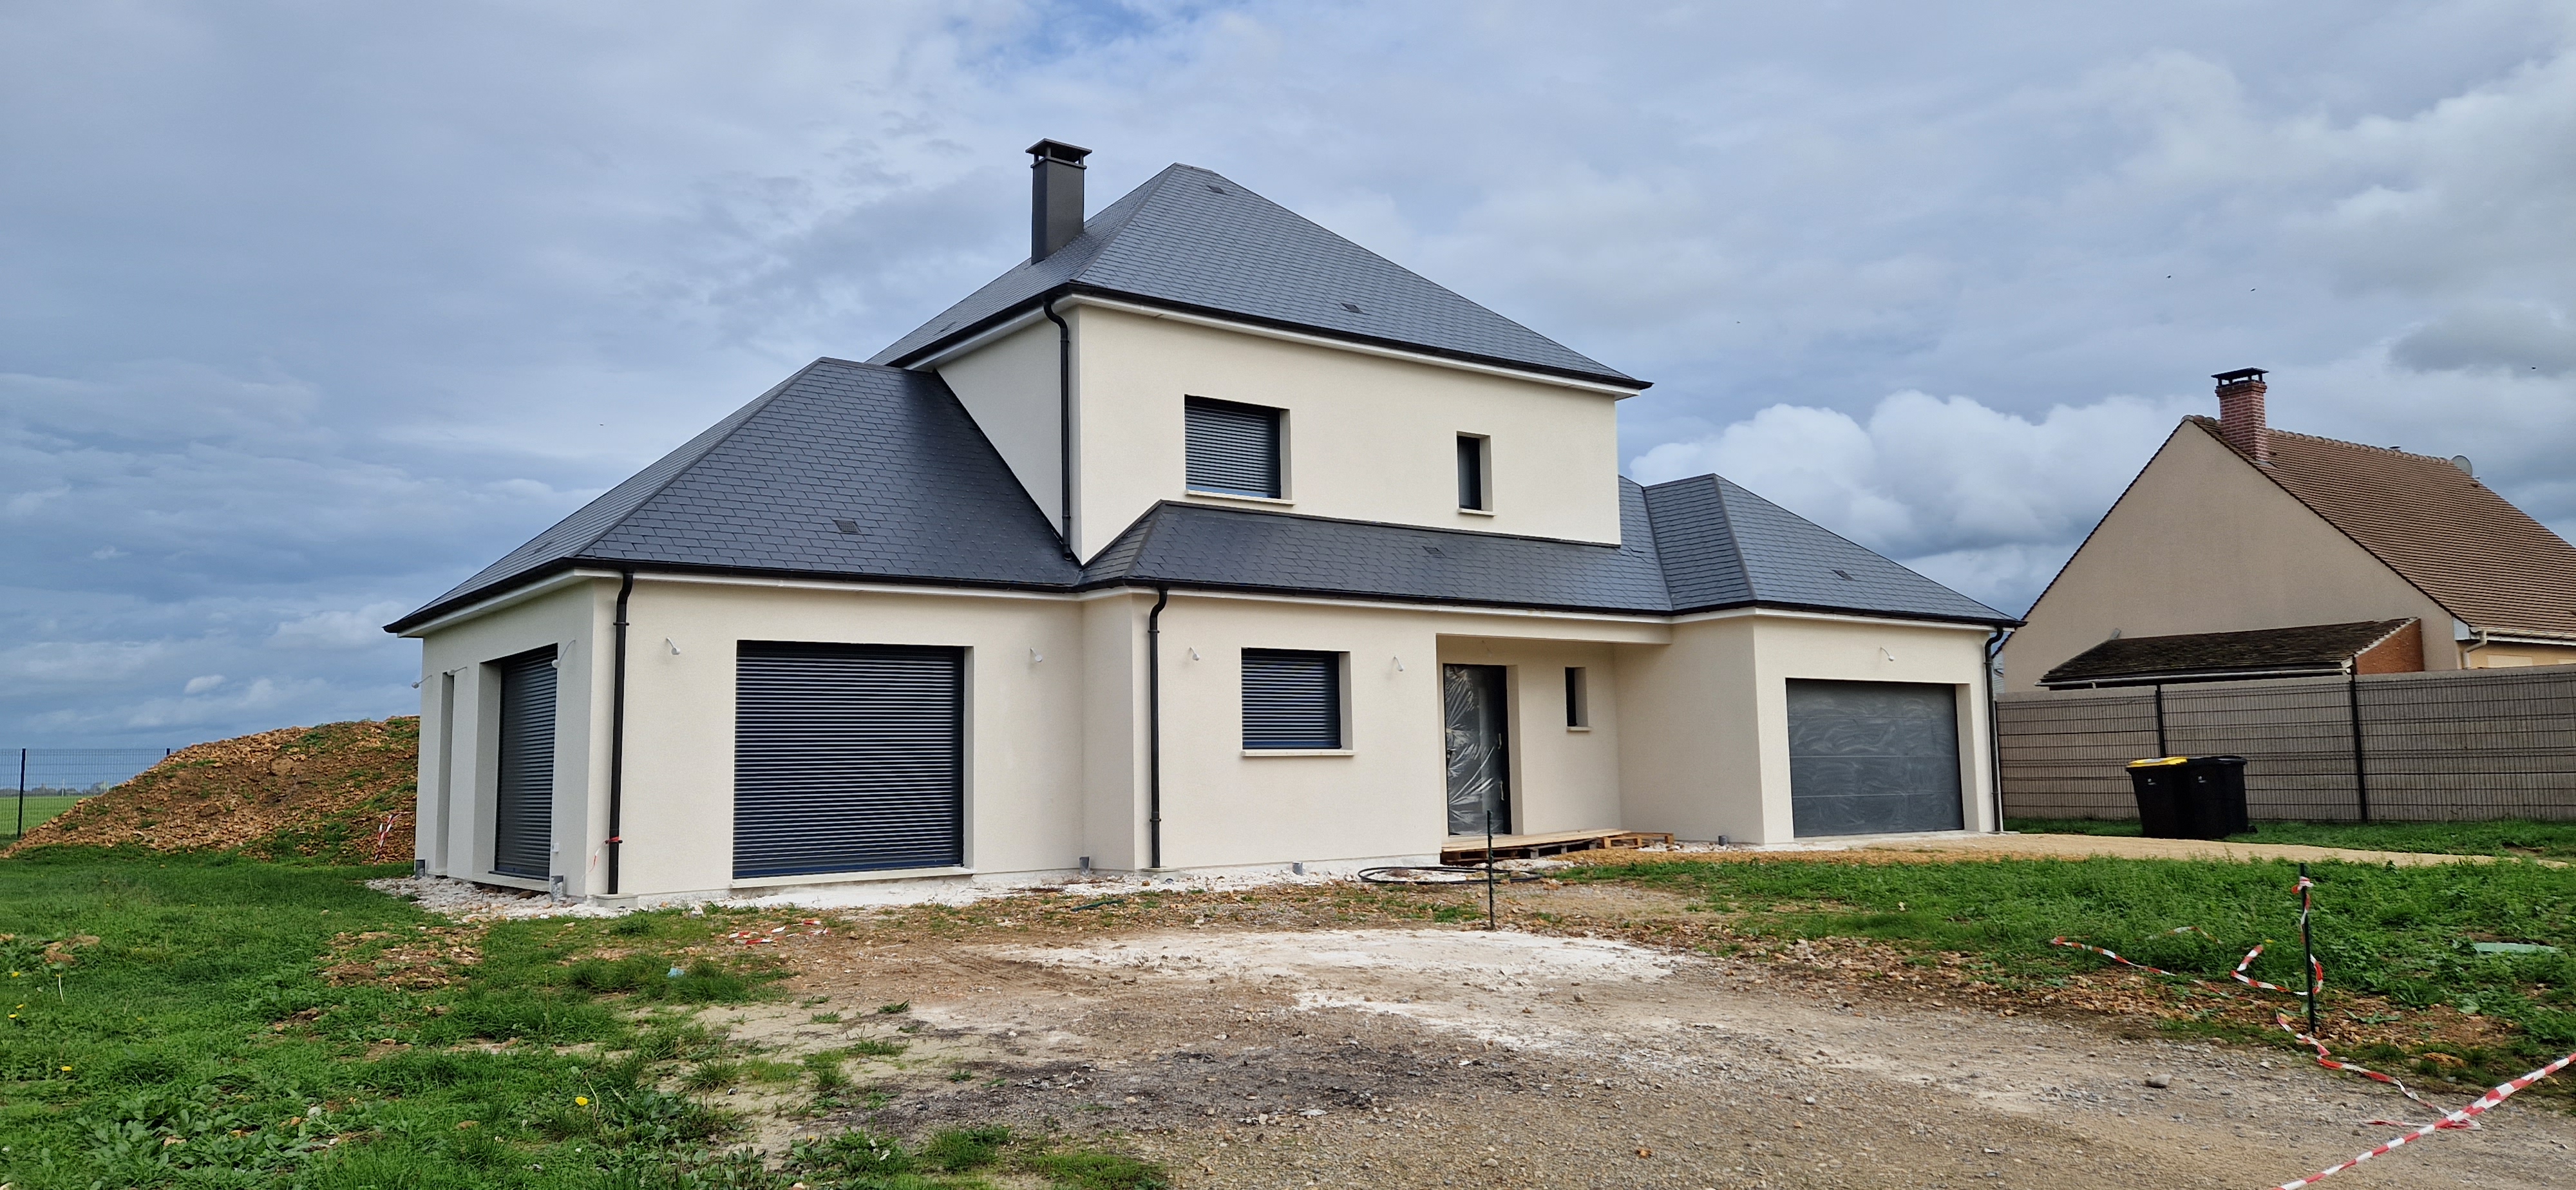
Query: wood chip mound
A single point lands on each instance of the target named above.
(340, 793)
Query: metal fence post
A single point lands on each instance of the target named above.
(2162, 749)
(22, 793)
(2360, 768)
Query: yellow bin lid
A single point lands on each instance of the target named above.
(2159, 761)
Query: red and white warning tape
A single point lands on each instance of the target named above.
(2465, 1118)
(2458, 1119)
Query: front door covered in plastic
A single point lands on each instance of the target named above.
(1480, 779)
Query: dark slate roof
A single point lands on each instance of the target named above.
(2264, 652)
(927, 500)
(889, 451)
(1690, 545)
(1198, 546)
(1192, 239)
(1724, 546)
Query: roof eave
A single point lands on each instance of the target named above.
(1074, 289)
(446, 607)
(2221, 674)
(1997, 621)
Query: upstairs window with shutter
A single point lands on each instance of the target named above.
(1233, 449)
(1292, 699)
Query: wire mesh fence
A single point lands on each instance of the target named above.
(2457, 746)
(47, 781)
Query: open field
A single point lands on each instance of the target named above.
(1778, 1021)
(2518, 836)
(39, 811)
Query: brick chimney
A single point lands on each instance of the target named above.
(2240, 414)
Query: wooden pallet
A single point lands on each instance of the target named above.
(1470, 849)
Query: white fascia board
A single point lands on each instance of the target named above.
(1463, 609)
(855, 587)
(972, 342)
(1245, 328)
(1778, 613)
(2519, 638)
(511, 598)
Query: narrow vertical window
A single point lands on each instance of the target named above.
(1233, 450)
(1578, 699)
(1471, 472)
(1292, 699)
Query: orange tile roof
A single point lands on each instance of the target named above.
(2485, 560)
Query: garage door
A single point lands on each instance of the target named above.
(848, 758)
(523, 809)
(1873, 757)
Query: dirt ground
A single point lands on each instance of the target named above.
(1290, 1041)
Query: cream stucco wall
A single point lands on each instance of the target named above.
(1367, 438)
(2202, 542)
(460, 715)
(1707, 734)
(1687, 727)
(1024, 687)
(1009, 387)
(1385, 796)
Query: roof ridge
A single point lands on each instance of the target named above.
(1654, 546)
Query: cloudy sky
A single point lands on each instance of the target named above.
(309, 310)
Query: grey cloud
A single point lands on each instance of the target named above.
(2497, 336)
(309, 311)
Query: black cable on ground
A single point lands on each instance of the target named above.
(1440, 876)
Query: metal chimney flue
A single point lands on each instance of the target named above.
(1055, 196)
(2241, 421)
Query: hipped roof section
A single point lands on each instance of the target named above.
(2484, 560)
(1190, 239)
(926, 500)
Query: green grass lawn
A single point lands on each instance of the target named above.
(39, 809)
(2401, 933)
(2513, 836)
(197, 1042)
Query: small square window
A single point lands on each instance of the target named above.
(1473, 492)
(1232, 449)
(1578, 697)
(1292, 699)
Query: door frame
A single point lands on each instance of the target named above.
(1505, 681)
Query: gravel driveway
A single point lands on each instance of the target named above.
(1261, 1053)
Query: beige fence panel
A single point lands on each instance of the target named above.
(2454, 746)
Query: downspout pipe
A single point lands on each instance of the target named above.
(1994, 726)
(1063, 424)
(1154, 729)
(617, 731)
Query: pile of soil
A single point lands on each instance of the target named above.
(338, 793)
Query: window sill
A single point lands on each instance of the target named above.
(1276, 501)
(1475, 512)
(1299, 752)
(1571, 727)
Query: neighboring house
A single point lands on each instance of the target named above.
(2247, 552)
(1204, 538)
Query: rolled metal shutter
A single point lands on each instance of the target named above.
(1232, 448)
(1291, 699)
(523, 807)
(848, 758)
(1873, 758)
